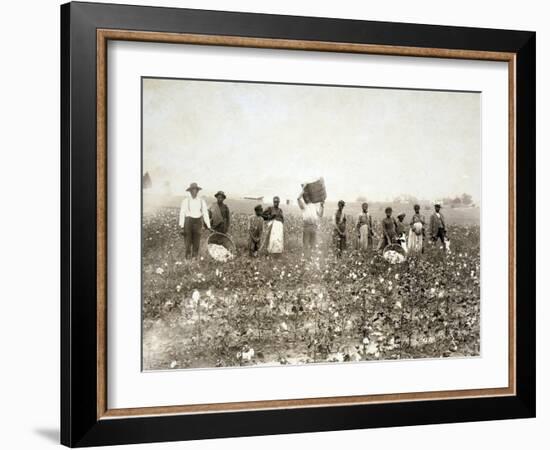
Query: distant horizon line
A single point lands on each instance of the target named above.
(268, 198)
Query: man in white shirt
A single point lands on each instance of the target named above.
(193, 213)
(311, 214)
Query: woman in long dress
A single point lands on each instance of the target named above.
(275, 219)
(364, 228)
(417, 232)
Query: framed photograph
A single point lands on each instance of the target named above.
(276, 224)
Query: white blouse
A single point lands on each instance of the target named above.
(195, 208)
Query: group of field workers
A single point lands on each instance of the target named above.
(393, 231)
(410, 236)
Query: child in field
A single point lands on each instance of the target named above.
(400, 229)
(389, 230)
(255, 231)
(417, 233)
(339, 237)
(365, 228)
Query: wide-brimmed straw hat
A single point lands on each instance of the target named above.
(193, 186)
(220, 193)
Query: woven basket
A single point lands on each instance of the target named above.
(220, 239)
(396, 248)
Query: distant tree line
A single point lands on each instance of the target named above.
(463, 200)
(453, 202)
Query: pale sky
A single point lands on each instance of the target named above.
(265, 139)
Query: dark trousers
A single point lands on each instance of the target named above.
(309, 239)
(340, 243)
(192, 236)
(253, 247)
(440, 235)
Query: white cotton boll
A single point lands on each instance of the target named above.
(196, 296)
(248, 355)
(393, 257)
(159, 271)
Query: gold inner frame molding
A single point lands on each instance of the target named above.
(104, 35)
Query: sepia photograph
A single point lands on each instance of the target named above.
(287, 224)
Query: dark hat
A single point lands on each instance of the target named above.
(220, 193)
(416, 206)
(402, 215)
(258, 208)
(193, 186)
(437, 205)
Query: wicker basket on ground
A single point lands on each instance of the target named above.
(220, 247)
(394, 254)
